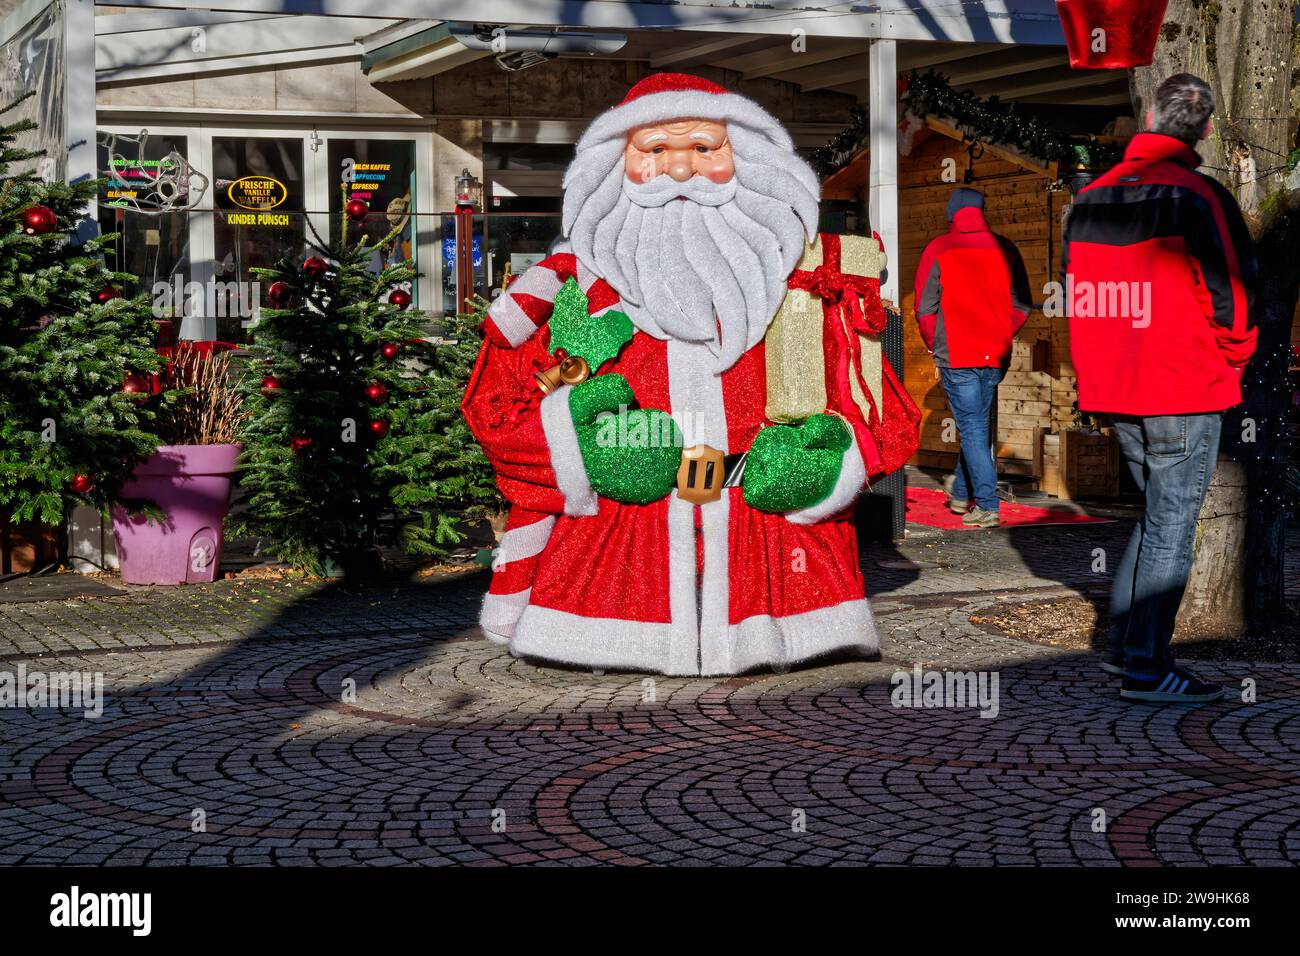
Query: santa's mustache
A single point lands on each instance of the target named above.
(664, 189)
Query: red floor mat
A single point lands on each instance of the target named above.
(928, 506)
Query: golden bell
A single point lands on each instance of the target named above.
(574, 370)
(548, 380)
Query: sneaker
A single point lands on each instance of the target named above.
(977, 517)
(1113, 668)
(955, 506)
(1173, 687)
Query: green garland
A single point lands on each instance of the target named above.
(989, 120)
(842, 147)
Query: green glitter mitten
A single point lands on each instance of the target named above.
(795, 466)
(631, 454)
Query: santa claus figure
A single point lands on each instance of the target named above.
(682, 403)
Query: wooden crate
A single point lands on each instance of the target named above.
(1089, 463)
(27, 547)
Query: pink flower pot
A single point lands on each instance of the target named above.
(191, 484)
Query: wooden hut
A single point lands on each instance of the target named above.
(1024, 202)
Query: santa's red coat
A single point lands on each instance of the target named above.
(669, 586)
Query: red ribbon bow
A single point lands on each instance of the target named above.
(851, 307)
(843, 290)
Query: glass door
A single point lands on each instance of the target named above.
(259, 216)
(152, 242)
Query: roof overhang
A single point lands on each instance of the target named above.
(989, 21)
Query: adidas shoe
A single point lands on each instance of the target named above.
(1173, 687)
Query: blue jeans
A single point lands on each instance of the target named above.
(971, 394)
(1171, 457)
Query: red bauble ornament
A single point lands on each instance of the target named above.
(278, 293)
(39, 220)
(270, 383)
(400, 298)
(379, 428)
(134, 384)
(356, 209)
(389, 350)
(299, 444)
(1128, 32)
(108, 294)
(315, 267)
(81, 484)
(377, 392)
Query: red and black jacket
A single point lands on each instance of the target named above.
(1160, 283)
(972, 294)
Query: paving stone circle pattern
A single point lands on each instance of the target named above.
(280, 723)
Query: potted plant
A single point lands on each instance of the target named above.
(177, 537)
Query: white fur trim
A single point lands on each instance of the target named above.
(852, 479)
(684, 645)
(695, 393)
(758, 641)
(500, 614)
(687, 104)
(566, 455)
(525, 541)
(552, 635)
(764, 641)
(715, 588)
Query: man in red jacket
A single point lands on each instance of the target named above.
(972, 297)
(1160, 273)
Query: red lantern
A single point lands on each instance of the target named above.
(377, 392)
(299, 444)
(315, 267)
(39, 220)
(278, 293)
(400, 298)
(108, 294)
(81, 484)
(270, 383)
(134, 384)
(356, 209)
(379, 428)
(389, 350)
(1111, 34)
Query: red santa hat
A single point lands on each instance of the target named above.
(669, 96)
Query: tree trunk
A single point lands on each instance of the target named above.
(1215, 604)
(1244, 50)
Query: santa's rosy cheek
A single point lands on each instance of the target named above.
(640, 167)
(719, 168)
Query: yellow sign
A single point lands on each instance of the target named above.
(257, 192)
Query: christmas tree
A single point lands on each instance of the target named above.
(75, 354)
(354, 424)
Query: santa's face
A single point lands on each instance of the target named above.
(695, 223)
(681, 149)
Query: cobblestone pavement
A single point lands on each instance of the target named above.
(229, 736)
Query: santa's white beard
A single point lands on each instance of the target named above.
(697, 261)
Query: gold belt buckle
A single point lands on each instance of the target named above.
(700, 476)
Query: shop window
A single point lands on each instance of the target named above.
(150, 245)
(382, 173)
(259, 203)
